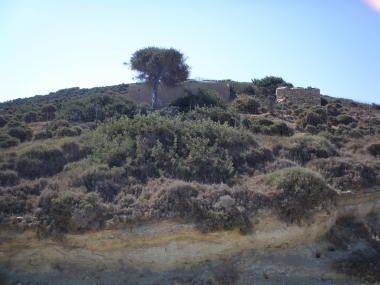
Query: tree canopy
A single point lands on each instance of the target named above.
(267, 85)
(159, 66)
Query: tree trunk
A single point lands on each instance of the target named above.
(154, 95)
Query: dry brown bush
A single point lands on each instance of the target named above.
(166, 198)
(374, 149)
(20, 199)
(347, 172)
(303, 148)
(8, 178)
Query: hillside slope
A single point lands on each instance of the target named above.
(76, 160)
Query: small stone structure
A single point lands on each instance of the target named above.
(298, 96)
(142, 93)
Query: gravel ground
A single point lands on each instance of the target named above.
(286, 265)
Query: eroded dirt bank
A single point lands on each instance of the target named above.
(170, 246)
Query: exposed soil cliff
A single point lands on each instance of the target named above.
(169, 246)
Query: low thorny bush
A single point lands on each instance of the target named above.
(246, 104)
(347, 173)
(8, 178)
(75, 209)
(100, 107)
(6, 141)
(40, 159)
(300, 191)
(374, 149)
(267, 127)
(303, 148)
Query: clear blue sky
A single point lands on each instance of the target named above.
(330, 44)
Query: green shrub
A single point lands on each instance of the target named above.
(153, 146)
(311, 129)
(42, 135)
(60, 211)
(66, 132)
(318, 110)
(268, 127)
(100, 107)
(20, 133)
(203, 98)
(5, 165)
(4, 137)
(302, 190)
(322, 128)
(303, 148)
(226, 220)
(345, 119)
(333, 121)
(78, 129)
(281, 129)
(48, 108)
(30, 117)
(99, 179)
(9, 142)
(246, 104)
(70, 212)
(39, 160)
(74, 151)
(88, 215)
(324, 102)
(297, 112)
(355, 134)
(306, 186)
(8, 178)
(216, 114)
(14, 124)
(3, 121)
(354, 146)
(59, 123)
(312, 118)
(374, 149)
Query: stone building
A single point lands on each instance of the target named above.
(298, 95)
(142, 93)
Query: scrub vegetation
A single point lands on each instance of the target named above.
(85, 159)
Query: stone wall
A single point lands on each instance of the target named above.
(142, 93)
(298, 96)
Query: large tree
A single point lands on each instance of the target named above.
(159, 66)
